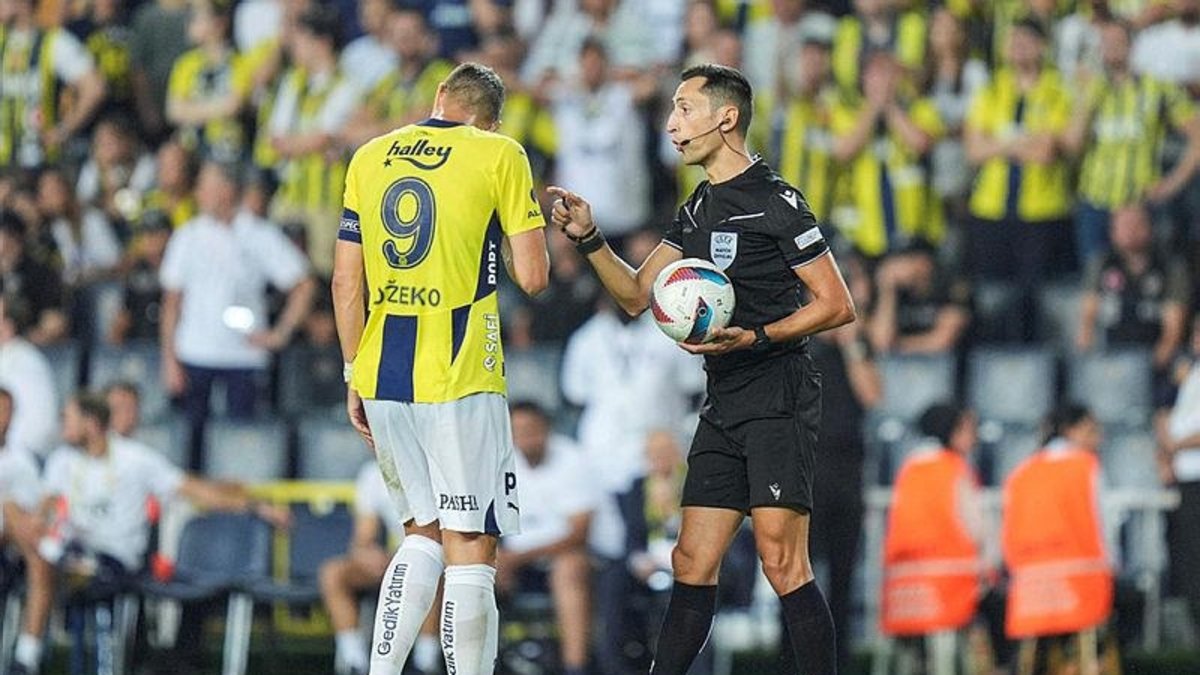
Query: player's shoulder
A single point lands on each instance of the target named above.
(496, 142)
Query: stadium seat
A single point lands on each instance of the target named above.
(310, 382)
(219, 554)
(1114, 384)
(1128, 460)
(251, 451)
(64, 358)
(313, 538)
(1059, 307)
(533, 375)
(137, 362)
(1011, 385)
(1002, 447)
(913, 383)
(169, 437)
(329, 450)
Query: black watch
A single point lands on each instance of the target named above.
(761, 341)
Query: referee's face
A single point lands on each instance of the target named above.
(694, 124)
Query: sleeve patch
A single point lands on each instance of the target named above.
(349, 229)
(808, 238)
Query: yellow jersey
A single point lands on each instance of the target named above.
(1008, 189)
(1128, 125)
(802, 149)
(887, 196)
(197, 76)
(429, 203)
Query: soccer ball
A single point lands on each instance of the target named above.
(690, 299)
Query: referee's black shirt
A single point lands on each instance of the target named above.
(758, 229)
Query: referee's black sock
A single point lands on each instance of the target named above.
(685, 628)
(810, 625)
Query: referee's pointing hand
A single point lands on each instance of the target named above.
(571, 213)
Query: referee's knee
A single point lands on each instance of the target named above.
(692, 568)
(785, 565)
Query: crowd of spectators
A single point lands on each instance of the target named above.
(171, 176)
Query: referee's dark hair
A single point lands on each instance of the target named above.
(93, 405)
(725, 86)
(1063, 418)
(478, 88)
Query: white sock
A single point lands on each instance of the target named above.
(351, 652)
(407, 593)
(29, 651)
(470, 620)
(427, 653)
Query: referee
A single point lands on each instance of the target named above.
(754, 447)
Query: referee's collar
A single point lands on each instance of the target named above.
(440, 124)
(754, 170)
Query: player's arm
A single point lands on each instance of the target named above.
(629, 287)
(527, 260)
(348, 287)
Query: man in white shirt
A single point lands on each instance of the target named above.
(376, 528)
(94, 496)
(557, 499)
(215, 275)
(602, 143)
(26, 374)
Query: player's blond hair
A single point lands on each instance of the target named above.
(477, 88)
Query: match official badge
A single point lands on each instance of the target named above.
(722, 248)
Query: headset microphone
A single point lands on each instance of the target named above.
(700, 135)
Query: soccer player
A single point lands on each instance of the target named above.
(754, 447)
(430, 211)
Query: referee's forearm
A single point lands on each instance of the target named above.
(620, 280)
(815, 317)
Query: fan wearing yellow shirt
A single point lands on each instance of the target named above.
(883, 140)
(1021, 199)
(1119, 128)
(209, 85)
(801, 138)
(430, 212)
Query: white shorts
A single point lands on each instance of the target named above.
(452, 462)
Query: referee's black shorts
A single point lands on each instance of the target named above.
(757, 438)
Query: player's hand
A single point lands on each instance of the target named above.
(723, 340)
(571, 213)
(358, 417)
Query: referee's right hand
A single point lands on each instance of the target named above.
(571, 213)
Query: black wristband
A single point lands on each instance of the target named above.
(593, 242)
(581, 238)
(762, 341)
